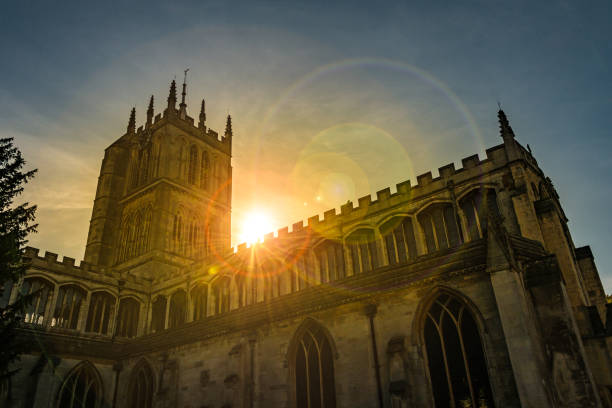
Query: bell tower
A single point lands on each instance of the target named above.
(164, 193)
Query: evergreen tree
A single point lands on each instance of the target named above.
(16, 222)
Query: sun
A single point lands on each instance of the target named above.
(254, 226)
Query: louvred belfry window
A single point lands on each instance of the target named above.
(314, 369)
(457, 365)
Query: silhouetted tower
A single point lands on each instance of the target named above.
(164, 194)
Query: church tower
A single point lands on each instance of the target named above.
(163, 198)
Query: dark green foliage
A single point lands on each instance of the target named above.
(16, 222)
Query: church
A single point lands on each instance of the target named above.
(463, 289)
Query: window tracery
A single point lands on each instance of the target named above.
(82, 388)
(142, 386)
(193, 165)
(127, 318)
(400, 242)
(158, 314)
(475, 207)
(457, 365)
(330, 259)
(204, 171)
(363, 251)
(68, 307)
(199, 297)
(178, 309)
(101, 308)
(313, 368)
(439, 225)
(43, 293)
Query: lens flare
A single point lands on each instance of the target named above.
(255, 225)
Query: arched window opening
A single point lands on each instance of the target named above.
(204, 171)
(457, 365)
(134, 170)
(440, 227)
(142, 386)
(42, 291)
(158, 314)
(398, 234)
(362, 247)
(304, 271)
(101, 307)
(127, 319)
(177, 234)
(193, 163)
(314, 368)
(178, 309)
(241, 290)
(82, 388)
(199, 296)
(145, 165)
(476, 206)
(68, 307)
(222, 296)
(330, 258)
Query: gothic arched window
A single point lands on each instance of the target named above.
(101, 307)
(204, 171)
(475, 206)
(457, 366)
(193, 165)
(158, 314)
(43, 292)
(362, 246)
(82, 388)
(440, 227)
(68, 307)
(398, 234)
(222, 296)
(178, 309)
(313, 367)
(127, 319)
(199, 297)
(142, 386)
(330, 258)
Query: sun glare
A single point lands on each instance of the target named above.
(254, 226)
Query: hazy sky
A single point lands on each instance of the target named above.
(329, 101)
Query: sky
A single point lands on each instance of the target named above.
(330, 101)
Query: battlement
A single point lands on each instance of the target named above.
(472, 168)
(49, 261)
(187, 124)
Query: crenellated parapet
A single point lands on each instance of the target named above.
(67, 268)
(474, 172)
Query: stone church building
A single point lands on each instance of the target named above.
(461, 290)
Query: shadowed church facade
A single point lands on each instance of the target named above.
(461, 290)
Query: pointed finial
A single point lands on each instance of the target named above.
(183, 105)
(202, 123)
(150, 112)
(228, 126)
(131, 127)
(172, 95)
(504, 126)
